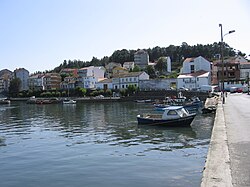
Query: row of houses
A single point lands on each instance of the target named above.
(198, 71)
(194, 73)
(89, 78)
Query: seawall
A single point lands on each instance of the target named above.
(217, 172)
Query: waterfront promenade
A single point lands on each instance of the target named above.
(228, 159)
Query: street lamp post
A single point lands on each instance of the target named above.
(248, 83)
(222, 61)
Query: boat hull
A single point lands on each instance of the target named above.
(185, 121)
(69, 102)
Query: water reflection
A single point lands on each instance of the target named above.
(96, 143)
(109, 123)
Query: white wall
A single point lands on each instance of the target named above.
(244, 73)
(191, 82)
(199, 63)
(156, 84)
(143, 76)
(100, 85)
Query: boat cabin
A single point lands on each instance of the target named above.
(174, 112)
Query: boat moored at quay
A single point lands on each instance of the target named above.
(174, 116)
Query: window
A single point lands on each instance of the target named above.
(192, 68)
(172, 112)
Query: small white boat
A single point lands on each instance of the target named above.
(69, 102)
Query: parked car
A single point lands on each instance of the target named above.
(239, 90)
(236, 90)
(183, 89)
(233, 89)
(99, 97)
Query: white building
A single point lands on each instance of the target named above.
(124, 80)
(194, 80)
(23, 75)
(244, 69)
(5, 77)
(141, 58)
(191, 65)
(104, 84)
(35, 82)
(129, 65)
(169, 68)
(89, 76)
(195, 73)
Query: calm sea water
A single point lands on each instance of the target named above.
(97, 144)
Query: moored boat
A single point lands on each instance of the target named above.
(69, 102)
(172, 116)
(4, 101)
(144, 101)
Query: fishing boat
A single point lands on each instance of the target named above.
(172, 116)
(193, 105)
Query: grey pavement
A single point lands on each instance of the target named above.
(228, 159)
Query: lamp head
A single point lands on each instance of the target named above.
(232, 31)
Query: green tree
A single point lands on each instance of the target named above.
(150, 71)
(161, 65)
(136, 69)
(121, 56)
(80, 91)
(15, 85)
(108, 92)
(131, 89)
(173, 74)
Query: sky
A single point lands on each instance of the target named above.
(39, 35)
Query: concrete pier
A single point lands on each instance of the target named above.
(228, 159)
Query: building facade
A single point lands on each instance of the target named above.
(129, 65)
(36, 82)
(192, 65)
(5, 77)
(109, 68)
(194, 81)
(105, 84)
(52, 81)
(123, 81)
(89, 76)
(195, 72)
(244, 70)
(23, 75)
(141, 58)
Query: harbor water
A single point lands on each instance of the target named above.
(98, 144)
